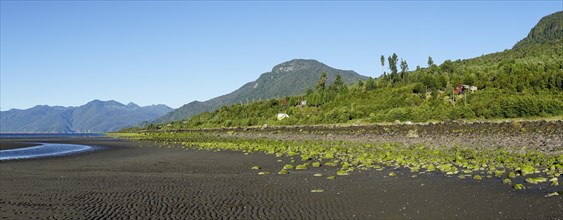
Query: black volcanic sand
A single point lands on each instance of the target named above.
(141, 180)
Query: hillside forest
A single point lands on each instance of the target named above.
(522, 82)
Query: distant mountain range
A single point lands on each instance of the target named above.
(290, 78)
(95, 116)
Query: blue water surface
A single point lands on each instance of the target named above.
(49, 135)
(43, 150)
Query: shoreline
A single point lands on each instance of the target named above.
(149, 180)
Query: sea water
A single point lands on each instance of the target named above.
(44, 149)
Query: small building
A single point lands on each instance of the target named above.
(282, 116)
(461, 89)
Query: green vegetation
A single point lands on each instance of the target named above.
(519, 186)
(536, 180)
(288, 167)
(523, 82)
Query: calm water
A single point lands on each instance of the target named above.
(45, 149)
(48, 135)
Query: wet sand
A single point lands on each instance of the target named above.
(141, 180)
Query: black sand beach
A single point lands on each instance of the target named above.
(141, 180)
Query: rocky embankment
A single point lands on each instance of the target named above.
(544, 136)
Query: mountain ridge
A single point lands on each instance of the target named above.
(94, 116)
(549, 28)
(289, 78)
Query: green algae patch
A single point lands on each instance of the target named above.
(301, 167)
(536, 180)
(431, 168)
(316, 164)
(317, 190)
(330, 164)
(507, 181)
(342, 173)
(263, 173)
(392, 174)
(318, 174)
(331, 177)
(283, 172)
(527, 169)
(554, 181)
(255, 168)
(519, 186)
(552, 194)
(477, 177)
(288, 167)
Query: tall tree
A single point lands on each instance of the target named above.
(338, 85)
(321, 85)
(430, 61)
(404, 68)
(382, 59)
(393, 63)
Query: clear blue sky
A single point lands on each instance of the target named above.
(174, 52)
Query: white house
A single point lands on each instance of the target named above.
(282, 116)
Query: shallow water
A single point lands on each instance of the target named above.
(43, 150)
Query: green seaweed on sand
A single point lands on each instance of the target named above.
(301, 167)
(342, 173)
(287, 167)
(317, 190)
(330, 164)
(431, 168)
(507, 181)
(331, 177)
(554, 181)
(263, 173)
(283, 171)
(519, 186)
(477, 177)
(527, 169)
(392, 174)
(316, 164)
(536, 180)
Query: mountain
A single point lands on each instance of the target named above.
(290, 78)
(95, 116)
(549, 28)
